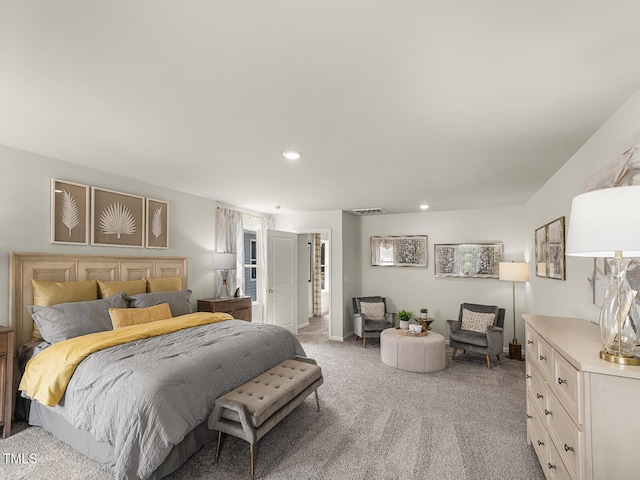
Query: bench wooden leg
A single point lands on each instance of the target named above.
(218, 447)
(252, 460)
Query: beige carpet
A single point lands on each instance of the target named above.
(376, 422)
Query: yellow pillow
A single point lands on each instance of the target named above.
(167, 284)
(133, 287)
(124, 317)
(46, 294)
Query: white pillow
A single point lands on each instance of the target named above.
(372, 310)
(476, 321)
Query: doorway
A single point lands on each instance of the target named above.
(314, 281)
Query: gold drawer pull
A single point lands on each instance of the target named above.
(561, 381)
(547, 412)
(539, 396)
(552, 467)
(567, 448)
(542, 358)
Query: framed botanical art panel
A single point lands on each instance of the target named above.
(541, 251)
(550, 248)
(117, 219)
(399, 251)
(157, 224)
(474, 260)
(69, 212)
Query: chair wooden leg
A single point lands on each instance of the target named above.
(364, 343)
(488, 361)
(317, 400)
(218, 447)
(453, 355)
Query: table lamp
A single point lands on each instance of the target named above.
(514, 272)
(605, 223)
(224, 262)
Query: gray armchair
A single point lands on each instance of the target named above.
(370, 327)
(487, 343)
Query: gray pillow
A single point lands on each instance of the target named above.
(70, 320)
(179, 302)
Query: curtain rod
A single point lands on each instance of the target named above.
(247, 214)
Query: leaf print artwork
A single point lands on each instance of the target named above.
(156, 223)
(70, 216)
(118, 220)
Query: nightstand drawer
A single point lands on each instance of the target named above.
(238, 308)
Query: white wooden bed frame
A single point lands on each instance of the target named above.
(57, 267)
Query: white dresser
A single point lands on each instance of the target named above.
(583, 413)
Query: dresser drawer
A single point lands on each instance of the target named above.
(537, 434)
(544, 357)
(567, 386)
(566, 436)
(555, 469)
(535, 387)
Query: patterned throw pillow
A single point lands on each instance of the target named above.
(372, 311)
(476, 321)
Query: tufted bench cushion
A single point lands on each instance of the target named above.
(251, 410)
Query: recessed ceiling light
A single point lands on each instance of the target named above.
(291, 155)
(424, 206)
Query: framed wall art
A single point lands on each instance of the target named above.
(550, 248)
(157, 224)
(473, 260)
(117, 219)
(69, 212)
(399, 251)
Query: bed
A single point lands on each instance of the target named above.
(140, 408)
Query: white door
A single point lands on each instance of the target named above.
(282, 268)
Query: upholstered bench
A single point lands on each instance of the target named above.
(251, 410)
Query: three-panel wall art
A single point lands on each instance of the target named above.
(81, 215)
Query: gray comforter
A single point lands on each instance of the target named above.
(145, 396)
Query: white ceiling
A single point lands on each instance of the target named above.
(456, 103)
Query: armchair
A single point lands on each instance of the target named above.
(479, 329)
(370, 317)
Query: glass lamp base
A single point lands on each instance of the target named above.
(609, 357)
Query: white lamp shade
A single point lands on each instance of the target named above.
(513, 271)
(605, 221)
(224, 261)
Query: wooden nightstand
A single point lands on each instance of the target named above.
(239, 308)
(6, 379)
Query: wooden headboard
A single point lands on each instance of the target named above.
(55, 267)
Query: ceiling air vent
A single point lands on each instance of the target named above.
(369, 211)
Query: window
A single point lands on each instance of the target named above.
(251, 264)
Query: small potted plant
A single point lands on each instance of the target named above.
(424, 312)
(404, 317)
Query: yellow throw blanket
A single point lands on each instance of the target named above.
(47, 374)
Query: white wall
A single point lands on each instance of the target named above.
(571, 297)
(25, 218)
(412, 288)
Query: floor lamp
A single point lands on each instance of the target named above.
(224, 262)
(514, 272)
(604, 223)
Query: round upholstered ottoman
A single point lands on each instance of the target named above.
(412, 353)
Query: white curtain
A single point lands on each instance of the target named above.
(230, 239)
